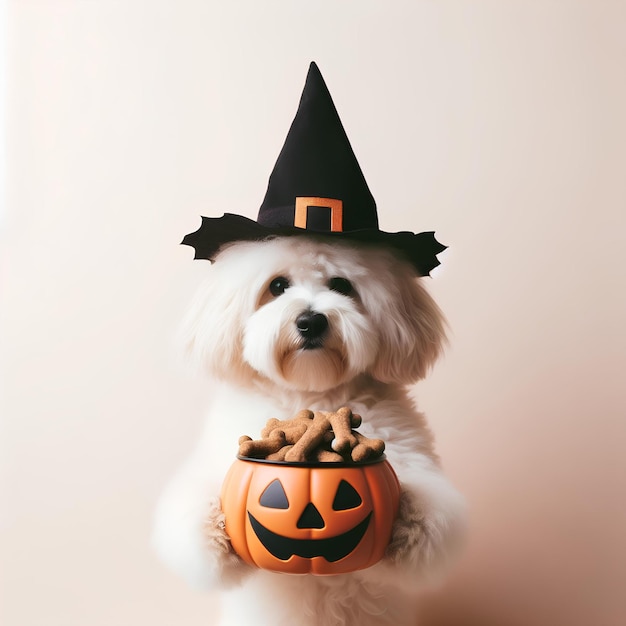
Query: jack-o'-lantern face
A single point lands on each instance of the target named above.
(332, 548)
(321, 519)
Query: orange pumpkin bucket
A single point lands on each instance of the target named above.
(310, 518)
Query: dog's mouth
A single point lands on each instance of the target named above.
(331, 548)
(312, 344)
(313, 364)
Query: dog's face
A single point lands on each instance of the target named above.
(310, 315)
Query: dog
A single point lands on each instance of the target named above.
(291, 322)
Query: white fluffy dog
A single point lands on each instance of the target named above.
(375, 330)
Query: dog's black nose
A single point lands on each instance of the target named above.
(312, 325)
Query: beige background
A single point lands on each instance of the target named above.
(499, 124)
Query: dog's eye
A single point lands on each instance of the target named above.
(278, 286)
(341, 285)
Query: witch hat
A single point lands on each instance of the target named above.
(316, 189)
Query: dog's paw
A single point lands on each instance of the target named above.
(230, 569)
(424, 541)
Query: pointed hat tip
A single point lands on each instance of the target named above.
(315, 83)
(314, 69)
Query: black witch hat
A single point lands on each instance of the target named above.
(316, 189)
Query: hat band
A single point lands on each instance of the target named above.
(304, 203)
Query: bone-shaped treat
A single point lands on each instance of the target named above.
(313, 436)
(341, 423)
(304, 417)
(366, 448)
(260, 448)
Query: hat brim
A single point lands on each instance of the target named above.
(420, 249)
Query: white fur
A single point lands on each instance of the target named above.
(382, 338)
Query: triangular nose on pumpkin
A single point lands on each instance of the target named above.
(310, 517)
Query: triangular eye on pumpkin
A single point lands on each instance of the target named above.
(347, 497)
(274, 496)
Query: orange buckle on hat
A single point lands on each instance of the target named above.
(336, 211)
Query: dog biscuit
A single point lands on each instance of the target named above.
(311, 438)
(341, 424)
(366, 448)
(304, 417)
(260, 448)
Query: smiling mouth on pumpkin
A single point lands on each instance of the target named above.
(331, 548)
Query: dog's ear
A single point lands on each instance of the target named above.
(212, 330)
(411, 330)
